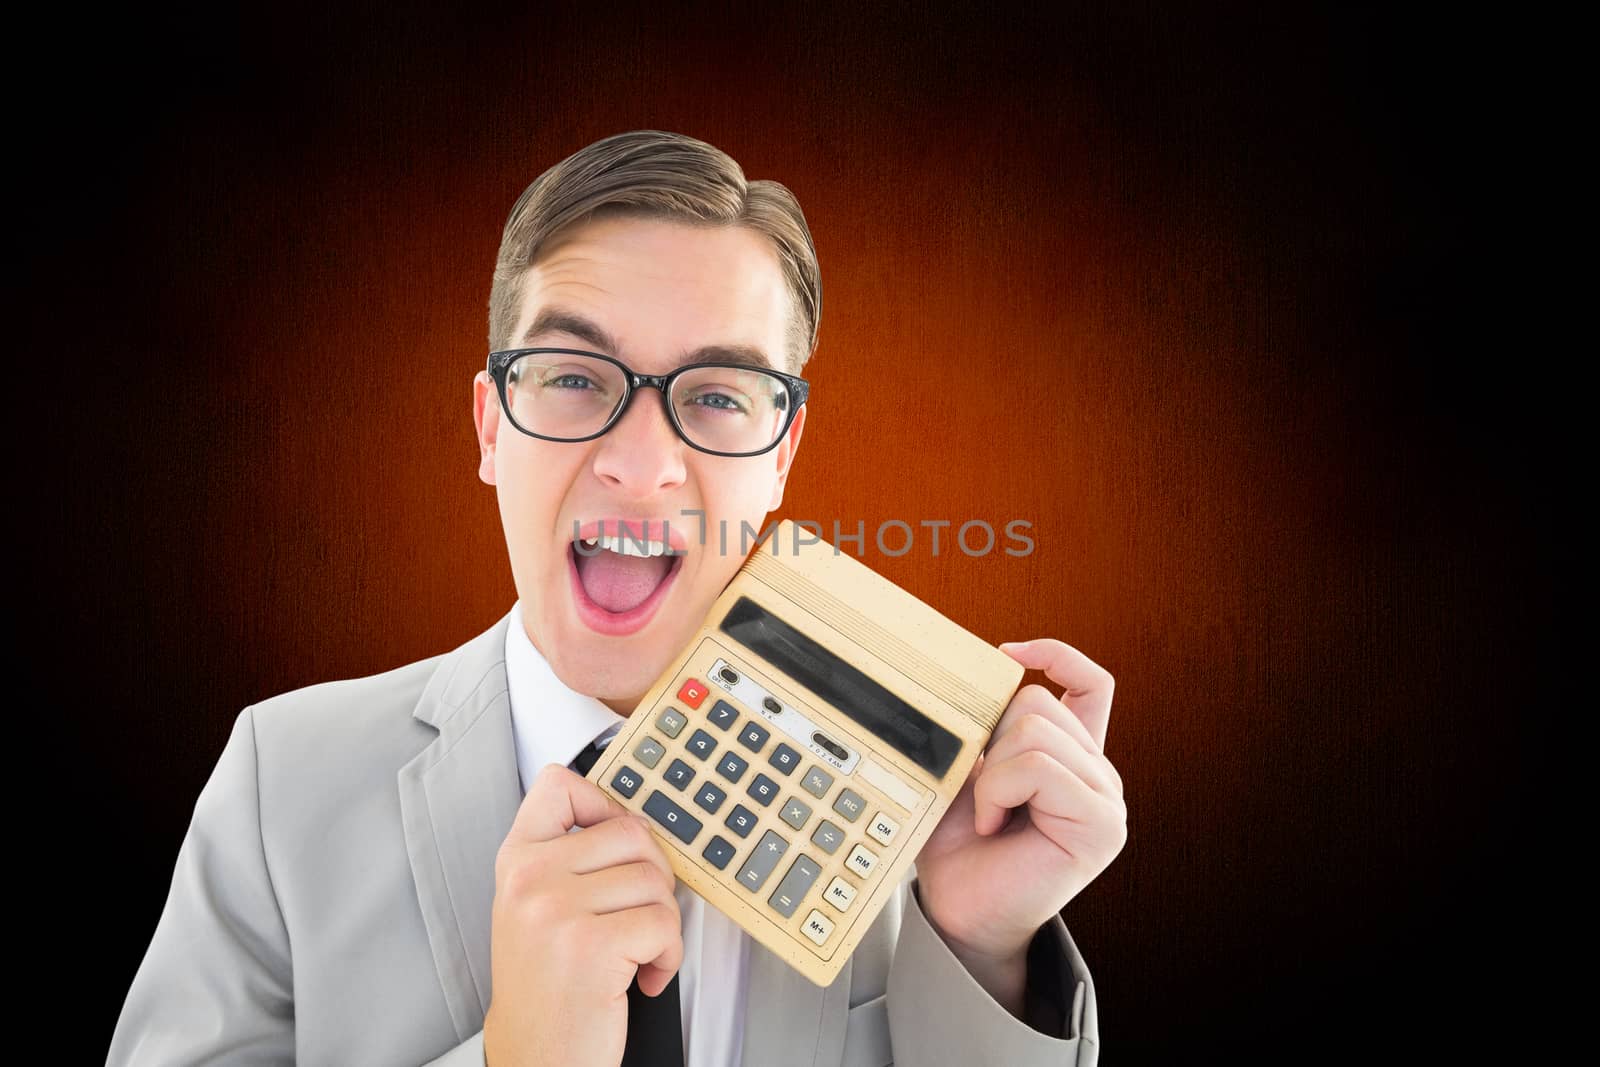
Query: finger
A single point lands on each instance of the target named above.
(558, 800)
(1034, 778)
(627, 885)
(1037, 700)
(1087, 685)
(1037, 733)
(613, 842)
(651, 938)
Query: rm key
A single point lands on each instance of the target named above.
(861, 861)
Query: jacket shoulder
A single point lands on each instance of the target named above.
(341, 726)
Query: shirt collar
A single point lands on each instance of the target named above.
(550, 722)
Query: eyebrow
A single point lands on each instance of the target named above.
(562, 320)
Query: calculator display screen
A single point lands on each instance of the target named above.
(914, 735)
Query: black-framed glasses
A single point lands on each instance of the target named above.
(567, 394)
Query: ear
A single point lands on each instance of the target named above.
(785, 453)
(486, 418)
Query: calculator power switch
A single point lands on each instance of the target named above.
(882, 829)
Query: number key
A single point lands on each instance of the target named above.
(701, 744)
(753, 736)
(679, 774)
(784, 758)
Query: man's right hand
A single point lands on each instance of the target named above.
(575, 916)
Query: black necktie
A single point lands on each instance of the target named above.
(655, 1024)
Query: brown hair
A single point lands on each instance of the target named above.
(656, 174)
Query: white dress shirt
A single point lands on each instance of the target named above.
(552, 724)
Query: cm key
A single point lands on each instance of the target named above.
(678, 822)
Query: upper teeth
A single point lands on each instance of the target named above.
(628, 546)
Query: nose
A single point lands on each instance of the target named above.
(642, 454)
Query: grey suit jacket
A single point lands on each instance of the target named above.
(331, 901)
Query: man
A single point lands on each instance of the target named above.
(406, 869)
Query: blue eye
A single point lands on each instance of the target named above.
(727, 403)
(565, 380)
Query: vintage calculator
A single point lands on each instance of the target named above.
(796, 755)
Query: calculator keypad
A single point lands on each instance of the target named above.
(763, 789)
(679, 774)
(718, 852)
(732, 767)
(787, 896)
(754, 736)
(784, 758)
(680, 823)
(709, 797)
(722, 715)
(741, 820)
(627, 782)
(816, 782)
(849, 804)
(803, 871)
(828, 837)
(763, 860)
(795, 813)
(702, 744)
(840, 894)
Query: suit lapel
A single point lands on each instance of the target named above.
(458, 799)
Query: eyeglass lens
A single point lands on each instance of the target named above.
(725, 409)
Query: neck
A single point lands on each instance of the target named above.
(624, 706)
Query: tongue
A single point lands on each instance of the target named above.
(617, 582)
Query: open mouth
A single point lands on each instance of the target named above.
(619, 581)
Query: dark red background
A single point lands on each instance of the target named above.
(1191, 293)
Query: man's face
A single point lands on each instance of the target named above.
(660, 290)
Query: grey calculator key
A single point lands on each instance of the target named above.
(672, 722)
(849, 804)
(816, 781)
(678, 822)
(784, 758)
(793, 888)
(762, 861)
(731, 767)
(627, 782)
(709, 797)
(649, 752)
(722, 715)
(741, 820)
(679, 774)
(828, 837)
(763, 789)
(718, 852)
(796, 812)
(753, 736)
(701, 744)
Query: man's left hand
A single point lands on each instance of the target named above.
(1040, 816)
